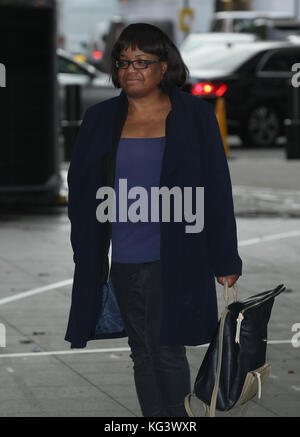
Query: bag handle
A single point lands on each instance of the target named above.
(211, 409)
(234, 290)
(213, 401)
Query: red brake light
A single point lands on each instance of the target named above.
(97, 54)
(208, 88)
(222, 88)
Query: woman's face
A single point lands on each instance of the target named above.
(140, 82)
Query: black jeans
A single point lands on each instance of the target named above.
(161, 372)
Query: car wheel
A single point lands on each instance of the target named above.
(261, 127)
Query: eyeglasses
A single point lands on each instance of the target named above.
(139, 64)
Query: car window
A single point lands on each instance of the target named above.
(243, 25)
(67, 66)
(217, 25)
(279, 61)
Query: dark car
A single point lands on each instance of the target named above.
(253, 79)
(95, 85)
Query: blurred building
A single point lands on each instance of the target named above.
(203, 12)
(79, 19)
(231, 5)
(288, 6)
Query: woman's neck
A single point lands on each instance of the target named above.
(149, 103)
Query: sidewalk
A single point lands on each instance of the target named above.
(265, 185)
(264, 182)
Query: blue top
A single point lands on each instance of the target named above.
(139, 163)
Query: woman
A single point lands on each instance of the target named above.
(159, 288)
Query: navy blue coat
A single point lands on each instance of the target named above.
(194, 157)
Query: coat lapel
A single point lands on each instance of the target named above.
(174, 150)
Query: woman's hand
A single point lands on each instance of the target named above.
(231, 279)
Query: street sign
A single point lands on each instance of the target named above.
(185, 19)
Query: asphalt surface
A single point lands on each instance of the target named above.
(41, 376)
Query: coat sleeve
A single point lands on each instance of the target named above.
(73, 180)
(219, 209)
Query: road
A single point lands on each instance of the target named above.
(41, 376)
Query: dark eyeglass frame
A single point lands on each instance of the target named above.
(148, 62)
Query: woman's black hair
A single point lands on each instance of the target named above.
(151, 39)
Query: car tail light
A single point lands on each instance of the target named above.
(97, 54)
(208, 88)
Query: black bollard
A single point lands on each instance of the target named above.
(292, 122)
